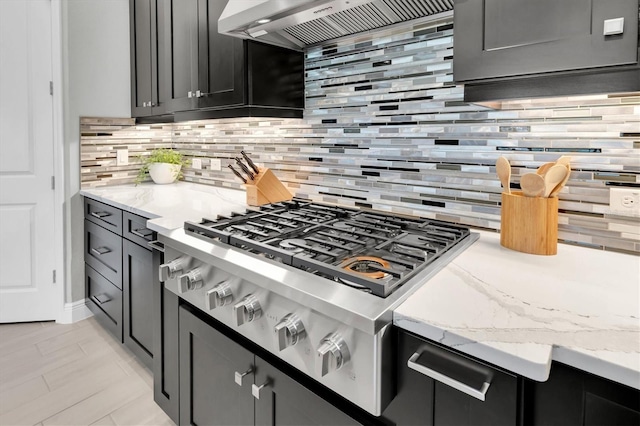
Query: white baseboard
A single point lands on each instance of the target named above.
(74, 312)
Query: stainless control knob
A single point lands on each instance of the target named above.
(290, 331)
(192, 280)
(332, 354)
(171, 269)
(219, 295)
(247, 310)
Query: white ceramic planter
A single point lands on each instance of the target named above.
(163, 173)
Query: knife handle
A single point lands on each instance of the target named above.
(250, 162)
(244, 168)
(235, 172)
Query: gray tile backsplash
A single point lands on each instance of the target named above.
(386, 128)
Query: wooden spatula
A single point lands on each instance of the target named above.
(559, 186)
(503, 168)
(532, 185)
(553, 177)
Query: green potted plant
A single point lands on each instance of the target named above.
(163, 165)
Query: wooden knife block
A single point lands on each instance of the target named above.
(529, 224)
(266, 188)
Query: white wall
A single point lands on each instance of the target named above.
(96, 77)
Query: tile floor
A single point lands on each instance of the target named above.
(72, 374)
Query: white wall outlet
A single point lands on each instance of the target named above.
(216, 164)
(122, 157)
(196, 163)
(624, 201)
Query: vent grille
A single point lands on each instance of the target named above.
(411, 9)
(361, 18)
(365, 17)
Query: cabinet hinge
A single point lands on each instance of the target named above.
(51, 88)
(53, 182)
(54, 276)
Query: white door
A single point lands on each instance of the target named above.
(27, 292)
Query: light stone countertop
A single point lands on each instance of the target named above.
(515, 310)
(519, 311)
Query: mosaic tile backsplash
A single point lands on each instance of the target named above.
(386, 128)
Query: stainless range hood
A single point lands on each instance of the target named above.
(296, 24)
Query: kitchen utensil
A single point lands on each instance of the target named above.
(237, 173)
(250, 162)
(266, 188)
(542, 170)
(532, 185)
(565, 159)
(553, 177)
(244, 168)
(559, 187)
(503, 168)
(529, 224)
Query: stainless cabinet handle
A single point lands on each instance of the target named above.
(198, 93)
(156, 245)
(101, 298)
(255, 390)
(100, 215)
(239, 376)
(144, 234)
(462, 387)
(100, 250)
(189, 94)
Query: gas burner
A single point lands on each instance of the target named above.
(413, 252)
(293, 244)
(366, 266)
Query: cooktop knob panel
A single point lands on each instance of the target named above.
(220, 295)
(192, 280)
(332, 354)
(171, 269)
(247, 310)
(290, 331)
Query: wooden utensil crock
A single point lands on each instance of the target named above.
(266, 188)
(529, 224)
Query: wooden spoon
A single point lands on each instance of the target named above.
(532, 185)
(559, 187)
(565, 159)
(503, 168)
(542, 170)
(554, 176)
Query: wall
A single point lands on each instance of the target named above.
(386, 128)
(96, 82)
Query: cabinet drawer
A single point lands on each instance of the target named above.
(103, 252)
(105, 301)
(135, 229)
(104, 215)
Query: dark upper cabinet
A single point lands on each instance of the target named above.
(147, 30)
(500, 39)
(572, 397)
(211, 75)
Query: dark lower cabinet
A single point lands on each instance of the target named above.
(138, 284)
(223, 383)
(165, 343)
(574, 397)
(422, 400)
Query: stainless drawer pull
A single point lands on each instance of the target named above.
(100, 215)
(255, 389)
(100, 250)
(142, 232)
(239, 376)
(101, 298)
(462, 387)
(156, 245)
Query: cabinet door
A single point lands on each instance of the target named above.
(284, 401)
(181, 47)
(209, 360)
(165, 343)
(499, 38)
(141, 81)
(221, 74)
(137, 294)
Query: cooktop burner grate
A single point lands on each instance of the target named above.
(372, 251)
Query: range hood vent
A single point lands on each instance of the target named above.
(299, 23)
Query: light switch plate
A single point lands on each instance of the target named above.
(624, 201)
(122, 157)
(216, 164)
(196, 163)
(613, 26)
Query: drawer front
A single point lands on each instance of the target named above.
(105, 301)
(104, 215)
(135, 229)
(103, 252)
